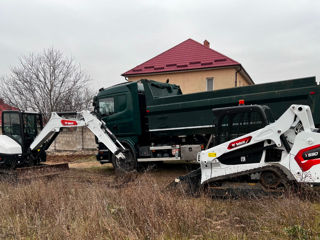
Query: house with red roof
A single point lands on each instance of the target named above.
(195, 67)
(4, 106)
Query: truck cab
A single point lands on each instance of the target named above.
(123, 108)
(119, 107)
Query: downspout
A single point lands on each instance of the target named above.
(236, 77)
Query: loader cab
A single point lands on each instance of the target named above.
(23, 127)
(233, 122)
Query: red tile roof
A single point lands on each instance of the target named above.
(188, 55)
(4, 106)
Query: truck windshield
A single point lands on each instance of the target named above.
(106, 106)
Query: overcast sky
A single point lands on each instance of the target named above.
(273, 40)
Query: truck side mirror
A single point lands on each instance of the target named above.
(94, 101)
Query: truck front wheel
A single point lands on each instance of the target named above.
(129, 163)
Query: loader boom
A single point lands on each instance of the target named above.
(83, 119)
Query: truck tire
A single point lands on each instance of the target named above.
(129, 163)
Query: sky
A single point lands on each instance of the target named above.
(273, 40)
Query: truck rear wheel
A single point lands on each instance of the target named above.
(129, 163)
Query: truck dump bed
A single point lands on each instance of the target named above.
(184, 114)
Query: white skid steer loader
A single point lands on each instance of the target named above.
(270, 159)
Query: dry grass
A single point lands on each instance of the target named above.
(85, 204)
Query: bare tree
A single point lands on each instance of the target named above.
(45, 83)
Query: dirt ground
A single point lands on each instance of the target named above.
(70, 158)
(164, 172)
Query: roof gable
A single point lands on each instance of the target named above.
(188, 55)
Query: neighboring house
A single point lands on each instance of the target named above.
(194, 66)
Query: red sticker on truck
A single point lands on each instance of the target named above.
(69, 123)
(239, 142)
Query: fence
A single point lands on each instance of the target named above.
(74, 139)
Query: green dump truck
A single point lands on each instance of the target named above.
(156, 122)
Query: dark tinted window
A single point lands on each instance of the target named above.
(31, 127)
(11, 126)
(224, 129)
(235, 125)
(239, 124)
(269, 115)
(256, 121)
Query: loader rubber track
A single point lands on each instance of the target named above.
(272, 168)
(229, 185)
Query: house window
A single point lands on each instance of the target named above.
(209, 83)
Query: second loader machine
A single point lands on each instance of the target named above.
(253, 154)
(24, 141)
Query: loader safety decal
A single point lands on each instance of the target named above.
(68, 122)
(239, 142)
(308, 157)
(212, 154)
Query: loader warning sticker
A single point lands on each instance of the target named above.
(69, 122)
(213, 154)
(308, 157)
(239, 142)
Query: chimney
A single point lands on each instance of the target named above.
(206, 43)
(1, 101)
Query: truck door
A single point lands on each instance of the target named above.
(111, 108)
(121, 113)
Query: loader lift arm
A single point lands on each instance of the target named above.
(82, 119)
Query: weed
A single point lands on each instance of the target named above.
(297, 232)
(91, 205)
